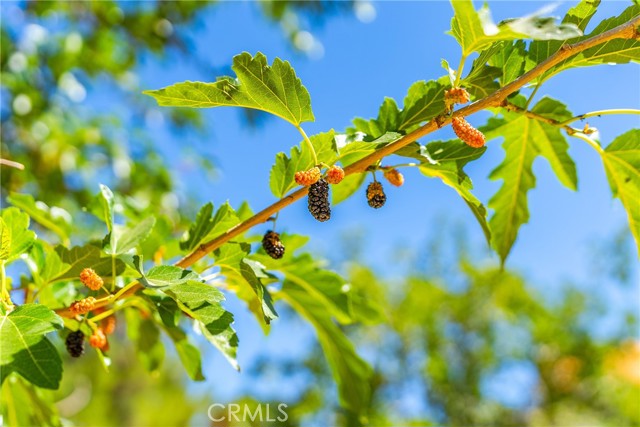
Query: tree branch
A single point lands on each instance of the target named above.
(627, 30)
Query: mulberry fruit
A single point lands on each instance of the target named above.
(272, 245)
(456, 95)
(309, 177)
(108, 325)
(470, 135)
(90, 279)
(75, 343)
(82, 306)
(98, 339)
(375, 195)
(394, 177)
(335, 174)
(319, 201)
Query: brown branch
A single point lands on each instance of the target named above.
(627, 30)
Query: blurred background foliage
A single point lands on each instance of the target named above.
(458, 343)
(466, 344)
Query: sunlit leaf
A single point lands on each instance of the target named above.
(275, 89)
(25, 348)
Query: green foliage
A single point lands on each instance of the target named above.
(16, 236)
(475, 31)
(26, 350)
(524, 140)
(275, 89)
(621, 160)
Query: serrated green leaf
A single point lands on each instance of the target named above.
(352, 374)
(351, 152)
(446, 160)
(275, 89)
(199, 228)
(580, 15)
(80, 257)
(281, 179)
(242, 276)
(166, 275)
(224, 218)
(55, 219)
(328, 287)
(621, 161)
(524, 139)
(202, 302)
(123, 239)
(616, 51)
(21, 238)
(475, 30)
(25, 348)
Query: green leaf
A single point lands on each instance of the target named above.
(106, 200)
(329, 288)
(244, 277)
(352, 374)
(203, 304)
(224, 218)
(80, 257)
(616, 51)
(281, 179)
(21, 238)
(351, 152)
(525, 139)
(5, 240)
(123, 239)
(446, 160)
(200, 228)
(25, 349)
(622, 163)
(347, 187)
(275, 89)
(55, 219)
(166, 275)
(475, 30)
(144, 333)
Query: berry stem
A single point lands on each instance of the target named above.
(309, 144)
(535, 90)
(598, 113)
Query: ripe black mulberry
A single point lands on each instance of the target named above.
(75, 343)
(272, 245)
(375, 195)
(319, 201)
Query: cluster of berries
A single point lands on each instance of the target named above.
(75, 339)
(318, 200)
(463, 129)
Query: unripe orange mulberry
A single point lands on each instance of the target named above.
(309, 177)
(335, 174)
(82, 306)
(470, 135)
(90, 279)
(108, 325)
(456, 95)
(394, 177)
(98, 339)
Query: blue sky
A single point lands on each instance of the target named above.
(361, 64)
(358, 65)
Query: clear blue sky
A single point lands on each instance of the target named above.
(360, 65)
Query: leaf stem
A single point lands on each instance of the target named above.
(599, 113)
(463, 59)
(309, 144)
(588, 140)
(535, 90)
(113, 273)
